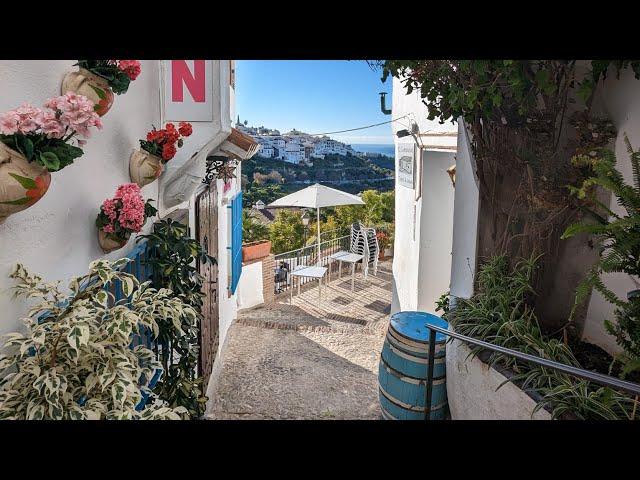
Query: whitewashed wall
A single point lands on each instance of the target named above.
(423, 235)
(465, 220)
(621, 100)
(57, 237)
(250, 288)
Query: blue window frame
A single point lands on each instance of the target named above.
(236, 241)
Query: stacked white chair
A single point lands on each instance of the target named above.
(372, 248)
(364, 241)
(359, 245)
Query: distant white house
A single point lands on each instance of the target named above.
(294, 146)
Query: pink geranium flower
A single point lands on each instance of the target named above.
(9, 122)
(75, 112)
(49, 123)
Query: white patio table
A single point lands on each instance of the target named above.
(312, 272)
(344, 256)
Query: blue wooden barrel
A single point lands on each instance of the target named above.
(402, 374)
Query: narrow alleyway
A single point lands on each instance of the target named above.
(309, 360)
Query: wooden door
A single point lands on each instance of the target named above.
(207, 235)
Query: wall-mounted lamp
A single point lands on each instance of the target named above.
(414, 132)
(383, 105)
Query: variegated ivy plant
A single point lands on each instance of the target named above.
(75, 359)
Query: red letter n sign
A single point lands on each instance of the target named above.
(182, 76)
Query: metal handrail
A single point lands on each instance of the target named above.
(599, 378)
(280, 255)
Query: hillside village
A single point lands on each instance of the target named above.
(294, 146)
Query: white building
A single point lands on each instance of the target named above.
(436, 225)
(57, 237)
(424, 199)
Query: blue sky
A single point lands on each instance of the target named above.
(313, 96)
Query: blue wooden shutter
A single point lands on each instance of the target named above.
(236, 241)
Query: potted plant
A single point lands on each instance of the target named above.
(147, 164)
(37, 141)
(98, 80)
(385, 241)
(74, 360)
(255, 250)
(121, 216)
(255, 233)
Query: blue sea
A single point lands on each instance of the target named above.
(385, 149)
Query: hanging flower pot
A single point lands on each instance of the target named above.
(37, 141)
(147, 164)
(99, 80)
(109, 244)
(144, 167)
(22, 183)
(92, 86)
(122, 215)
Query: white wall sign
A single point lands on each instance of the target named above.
(406, 165)
(188, 90)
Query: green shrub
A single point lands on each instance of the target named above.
(499, 313)
(75, 361)
(173, 258)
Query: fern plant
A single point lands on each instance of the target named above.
(618, 237)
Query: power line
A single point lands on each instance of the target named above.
(341, 131)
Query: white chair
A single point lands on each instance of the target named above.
(372, 249)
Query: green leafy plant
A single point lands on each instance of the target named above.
(252, 229)
(173, 258)
(442, 304)
(499, 313)
(618, 237)
(75, 361)
(118, 73)
(286, 232)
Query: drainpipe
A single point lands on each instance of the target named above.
(186, 179)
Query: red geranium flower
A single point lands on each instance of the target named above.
(131, 68)
(168, 151)
(154, 135)
(185, 129)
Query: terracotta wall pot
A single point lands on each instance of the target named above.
(22, 183)
(256, 250)
(107, 244)
(144, 168)
(95, 88)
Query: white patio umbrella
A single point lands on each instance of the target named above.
(317, 196)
